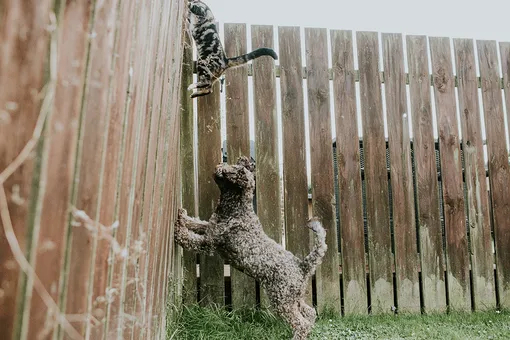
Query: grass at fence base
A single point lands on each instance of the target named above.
(218, 324)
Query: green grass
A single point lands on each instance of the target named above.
(196, 323)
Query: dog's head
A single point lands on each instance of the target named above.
(240, 176)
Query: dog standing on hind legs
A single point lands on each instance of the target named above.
(235, 233)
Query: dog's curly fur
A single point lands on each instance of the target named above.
(234, 231)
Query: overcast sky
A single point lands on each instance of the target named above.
(484, 19)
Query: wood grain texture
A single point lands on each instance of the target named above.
(323, 191)
(401, 172)
(349, 174)
(376, 178)
(133, 295)
(269, 204)
(297, 235)
(92, 141)
(189, 193)
(212, 286)
(457, 259)
(238, 139)
(167, 178)
(23, 78)
(482, 258)
(426, 183)
(134, 123)
(499, 170)
(60, 148)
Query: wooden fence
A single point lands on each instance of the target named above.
(414, 222)
(89, 171)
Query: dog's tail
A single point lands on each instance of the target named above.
(312, 260)
(243, 59)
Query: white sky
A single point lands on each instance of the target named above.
(484, 19)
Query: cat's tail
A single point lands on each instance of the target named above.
(312, 260)
(243, 59)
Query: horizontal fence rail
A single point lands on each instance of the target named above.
(406, 164)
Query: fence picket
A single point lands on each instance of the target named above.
(269, 204)
(499, 169)
(426, 182)
(406, 252)
(376, 177)
(294, 155)
(238, 139)
(189, 199)
(350, 203)
(482, 259)
(212, 286)
(323, 186)
(457, 260)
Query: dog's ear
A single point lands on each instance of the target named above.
(247, 163)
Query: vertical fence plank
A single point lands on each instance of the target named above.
(94, 120)
(105, 26)
(349, 175)
(323, 191)
(266, 140)
(482, 259)
(457, 260)
(212, 285)
(426, 185)
(376, 177)
(499, 170)
(23, 63)
(131, 294)
(167, 157)
(238, 138)
(133, 123)
(61, 152)
(297, 236)
(406, 252)
(499, 196)
(110, 198)
(188, 184)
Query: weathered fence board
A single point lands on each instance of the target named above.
(92, 141)
(482, 259)
(500, 195)
(238, 138)
(499, 170)
(24, 88)
(349, 175)
(426, 183)
(134, 296)
(323, 191)
(209, 139)
(60, 148)
(188, 185)
(376, 177)
(294, 156)
(268, 191)
(404, 219)
(457, 260)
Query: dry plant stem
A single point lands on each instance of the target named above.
(49, 92)
(28, 270)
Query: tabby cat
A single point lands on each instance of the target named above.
(212, 61)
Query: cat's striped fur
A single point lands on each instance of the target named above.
(211, 58)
